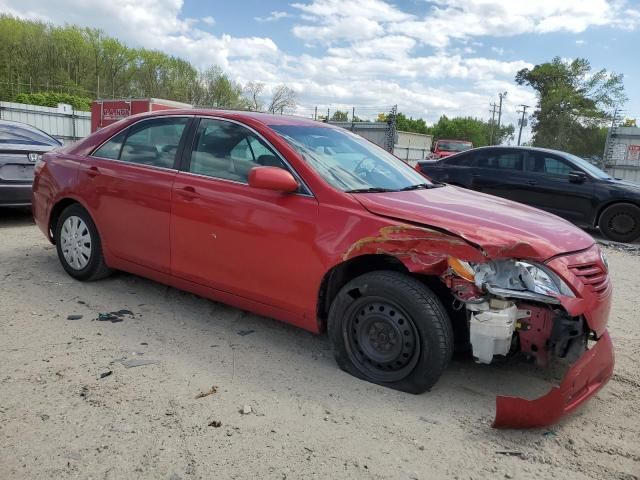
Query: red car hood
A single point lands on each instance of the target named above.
(502, 228)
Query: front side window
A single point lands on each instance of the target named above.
(151, 142)
(349, 162)
(541, 163)
(227, 150)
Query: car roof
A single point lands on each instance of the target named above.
(452, 140)
(26, 126)
(507, 147)
(240, 115)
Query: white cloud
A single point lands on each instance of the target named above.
(462, 19)
(365, 53)
(273, 16)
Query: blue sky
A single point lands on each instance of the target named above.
(429, 57)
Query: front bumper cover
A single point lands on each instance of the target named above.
(581, 381)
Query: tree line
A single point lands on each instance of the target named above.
(42, 64)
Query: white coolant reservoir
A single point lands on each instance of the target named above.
(491, 331)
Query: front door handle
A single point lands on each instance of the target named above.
(93, 171)
(188, 193)
(531, 182)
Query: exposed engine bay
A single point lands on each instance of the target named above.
(512, 306)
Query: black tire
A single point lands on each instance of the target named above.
(368, 317)
(620, 222)
(95, 267)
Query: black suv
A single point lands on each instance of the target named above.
(555, 181)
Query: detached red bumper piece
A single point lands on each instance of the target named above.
(583, 379)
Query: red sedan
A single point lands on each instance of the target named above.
(313, 225)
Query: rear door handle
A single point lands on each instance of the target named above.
(531, 182)
(188, 193)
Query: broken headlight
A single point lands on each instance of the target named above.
(513, 278)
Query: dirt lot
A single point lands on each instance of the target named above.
(58, 419)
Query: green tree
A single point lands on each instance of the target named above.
(573, 104)
(340, 116)
(405, 124)
(474, 130)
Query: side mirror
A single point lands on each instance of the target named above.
(577, 176)
(272, 178)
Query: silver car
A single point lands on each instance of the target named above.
(20, 148)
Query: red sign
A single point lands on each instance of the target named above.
(633, 153)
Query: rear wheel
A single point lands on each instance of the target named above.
(78, 245)
(620, 222)
(390, 329)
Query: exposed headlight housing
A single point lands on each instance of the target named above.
(514, 278)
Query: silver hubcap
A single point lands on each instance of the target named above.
(75, 242)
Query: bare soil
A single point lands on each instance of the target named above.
(280, 407)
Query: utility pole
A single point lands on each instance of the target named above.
(501, 95)
(353, 114)
(327, 119)
(315, 113)
(493, 121)
(522, 121)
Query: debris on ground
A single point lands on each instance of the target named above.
(549, 433)
(621, 247)
(104, 374)
(108, 317)
(510, 453)
(114, 317)
(215, 423)
(211, 391)
(137, 362)
(74, 317)
(246, 410)
(244, 333)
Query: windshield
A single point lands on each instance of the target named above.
(18, 135)
(349, 162)
(590, 168)
(454, 146)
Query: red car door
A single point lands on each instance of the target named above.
(127, 183)
(253, 243)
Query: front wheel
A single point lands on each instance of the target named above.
(390, 329)
(78, 245)
(620, 222)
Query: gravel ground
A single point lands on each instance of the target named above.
(305, 418)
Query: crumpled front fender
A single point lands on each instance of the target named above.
(582, 380)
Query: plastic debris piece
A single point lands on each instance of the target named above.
(137, 362)
(211, 391)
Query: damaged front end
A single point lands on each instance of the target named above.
(519, 306)
(554, 308)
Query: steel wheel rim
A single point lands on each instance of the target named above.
(75, 242)
(622, 223)
(382, 340)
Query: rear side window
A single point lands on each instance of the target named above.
(460, 161)
(152, 142)
(112, 148)
(501, 161)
